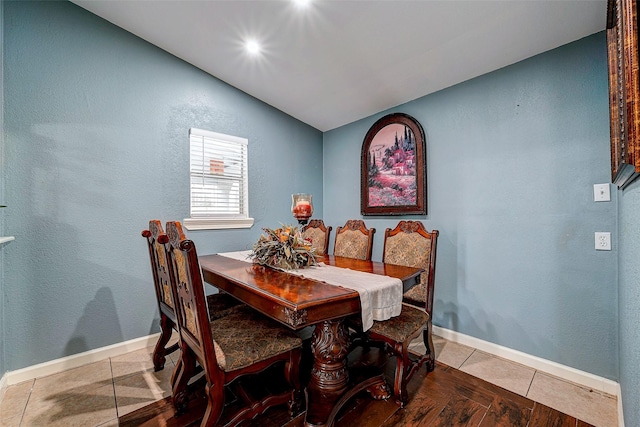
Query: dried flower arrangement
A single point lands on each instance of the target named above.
(283, 248)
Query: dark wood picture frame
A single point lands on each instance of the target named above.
(624, 90)
(394, 167)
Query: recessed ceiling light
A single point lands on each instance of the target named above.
(253, 47)
(302, 3)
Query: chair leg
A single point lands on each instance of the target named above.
(401, 351)
(431, 350)
(180, 391)
(159, 352)
(215, 403)
(177, 371)
(292, 374)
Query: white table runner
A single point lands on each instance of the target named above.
(380, 296)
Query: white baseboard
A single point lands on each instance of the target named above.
(3, 386)
(568, 373)
(74, 361)
(620, 413)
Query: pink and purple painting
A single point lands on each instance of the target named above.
(392, 167)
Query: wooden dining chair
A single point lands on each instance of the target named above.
(233, 346)
(318, 234)
(354, 240)
(220, 304)
(409, 244)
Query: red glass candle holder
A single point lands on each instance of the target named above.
(301, 207)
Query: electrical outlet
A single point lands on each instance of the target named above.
(603, 241)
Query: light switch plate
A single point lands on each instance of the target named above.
(601, 193)
(603, 241)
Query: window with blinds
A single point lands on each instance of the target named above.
(219, 182)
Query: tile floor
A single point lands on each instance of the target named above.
(98, 393)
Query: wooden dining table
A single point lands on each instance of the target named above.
(298, 302)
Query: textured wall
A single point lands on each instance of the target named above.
(629, 301)
(2, 172)
(96, 142)
(512, 158)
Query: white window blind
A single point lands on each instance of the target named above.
(219, 182)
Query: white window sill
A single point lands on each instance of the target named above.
(216, 223)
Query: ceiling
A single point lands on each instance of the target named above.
(335, 62)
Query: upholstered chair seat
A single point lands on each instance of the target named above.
(416, 295)
(408, 324)
(245, 338)
(221, 305)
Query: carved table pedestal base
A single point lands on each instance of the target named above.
(329, 388)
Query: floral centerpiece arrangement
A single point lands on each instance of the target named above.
(283, 248)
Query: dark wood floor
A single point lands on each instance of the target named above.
(445, 397)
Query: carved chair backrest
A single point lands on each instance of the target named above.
(318, 234)
(410, 244)
(192, 316)
(354, 240)
(156, 238)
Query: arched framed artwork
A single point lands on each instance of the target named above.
(393, 163)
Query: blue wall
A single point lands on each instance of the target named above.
(2, 168)
(629, 301)
(95, 143)
(512, 157)
(96, 139)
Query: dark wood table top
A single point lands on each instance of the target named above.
(293, 300)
